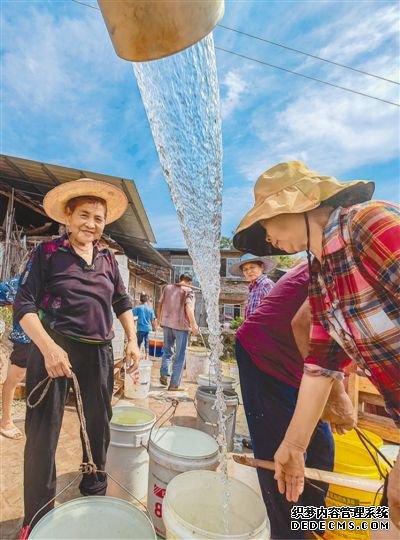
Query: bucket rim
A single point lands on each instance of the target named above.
(226, 379)
(153, 443)
(79, 501)
(139, 425)
(199, 350)
(208, 390)
(208, 534)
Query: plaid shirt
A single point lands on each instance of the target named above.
(355, 298)
(258, 290)
(8, 291)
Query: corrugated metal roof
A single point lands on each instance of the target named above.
(133, 230)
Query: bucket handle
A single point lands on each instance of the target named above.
(368, 444)
(174, 405)
(72, 482)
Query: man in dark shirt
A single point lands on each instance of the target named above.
(270, 370)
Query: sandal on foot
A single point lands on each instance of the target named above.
(12, 433)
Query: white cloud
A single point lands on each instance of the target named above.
(361, 32)
(51, 61)
(332, 130)
(235, 87)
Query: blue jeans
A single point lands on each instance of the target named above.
(179, 338)
(143, 336)
(269, 406)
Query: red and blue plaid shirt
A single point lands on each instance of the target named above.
(355, 298)
(258, 290)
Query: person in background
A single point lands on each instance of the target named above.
(17, 368)
(353, 295)
(270, 370)
(64, 303)
(253, 269)
(176, 316)
(145, 322)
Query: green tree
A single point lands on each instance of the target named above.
(287, 261)
(226, 242)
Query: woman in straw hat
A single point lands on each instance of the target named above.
(353, 294)
(64, 305)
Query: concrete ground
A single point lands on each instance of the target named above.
(69, 451)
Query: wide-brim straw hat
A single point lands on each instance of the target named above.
(236, 269)
(292, 188)
(55, 201)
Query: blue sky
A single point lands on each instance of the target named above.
(68, 99)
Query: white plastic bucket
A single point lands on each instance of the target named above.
(197, 361)
(137, 384)
(127, 458)
(94, 517)
(193, 508)
(205, 379)
(207, 414)
(174, 450)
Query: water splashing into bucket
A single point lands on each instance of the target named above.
(181, 98)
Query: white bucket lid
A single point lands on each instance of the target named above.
(94, 517)
(184, 442)
(132, 416)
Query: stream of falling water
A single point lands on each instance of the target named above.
(181, 98)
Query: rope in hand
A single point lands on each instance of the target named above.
(88, 467)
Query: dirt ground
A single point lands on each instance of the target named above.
(69, 452)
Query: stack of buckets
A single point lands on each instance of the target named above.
(352, 458)
(145, 458)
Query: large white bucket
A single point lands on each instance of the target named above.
(197, 361)
(94, 517)
(174, 450)
(207, 414)
(137, 384)
(127, 458)
(193, 508)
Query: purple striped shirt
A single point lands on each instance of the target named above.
(258, 290)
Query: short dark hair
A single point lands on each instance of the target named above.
(186, 277)
(144, 298)
(73, 203)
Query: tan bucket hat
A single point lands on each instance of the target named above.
(236, 269)
(55, 201)
(292, 188)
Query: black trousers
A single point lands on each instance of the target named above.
(94, 368)
(269, 405)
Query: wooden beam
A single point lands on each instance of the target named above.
(36, 208)
(384, 427)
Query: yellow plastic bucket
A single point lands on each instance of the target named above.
(352, 458)
(351, 437)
